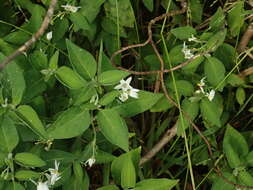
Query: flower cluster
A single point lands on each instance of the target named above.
(187, 52)
(210, 95)
(53, 176)
(126, 90)
(70, 8)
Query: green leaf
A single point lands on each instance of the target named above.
(240, 95)
(249, 159)
(32, 120)
(8, 134)
(53, 62)
(16, 81)
(109, 26)
(135, 106)
(196, 11)
(70, 123)
(59, 155)
(219, 184)
(217, 20)
(28, 159)
(128, 175)
(82, 60)
(39, 60)
(184, 87)
(236, 18)
(193, 65)
(112, 77)
(109, 187)
(115, 130)
(156, 184)
(183, 32)
(26, 175)
(117, 163)
(246, 178)
(234, 146)
(82, 95)
(192, 110)
(90, 9)
(120, 11)
(209, 112)
(13, 186)
(149, 4)
(79, 21)
(215, 40)
(61, 26)
(214, 71)
(108, 98)
(162, 104)
(69, 78)
(235, 80)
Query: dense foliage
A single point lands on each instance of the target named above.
(172, 113)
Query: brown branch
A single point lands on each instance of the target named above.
(170, 133)
(34, 38)
(248, 34)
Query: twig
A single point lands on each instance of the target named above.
(246, 38)
(34, 38)
(170, 133)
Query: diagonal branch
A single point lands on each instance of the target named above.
(34, 38)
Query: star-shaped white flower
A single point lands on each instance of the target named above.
(126, 89)
(187, 52)
(54, 174)
(42, 186)
(90, 161)
(70, 8)
(210, 95)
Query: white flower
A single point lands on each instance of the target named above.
(210, 95)
(54, 174)
(202, 84)
(187, 52)
(42, 186)
(192, 38)
(49, 35)
(90, 161)
(126, 89)
(70, 8)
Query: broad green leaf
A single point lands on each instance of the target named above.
(246, 178)
(111, 27)
(71, 123)
(28, 159)
(214, 71)
(249, 158)
(183, 32)
(109, 187)
(104, 157)
(196, 8)
(17, 38)
(161, 105)
(59, 155)
(13, 186)
(69, 78)
(128, 175)
(193, 65)
(78, 172)
(108, 98)
(120, 11)
(149, 4)
(53, 62)
(217, 20)
(82, 95)
(219, 184)
(215, 40)
(236, 18)
(79, 21)
(117, 163)
(209, 112)
(32, 120)
(115, 130)
(61, 26)
(83, 62)
(236, 140)
(90, 9)
(8, 134)
(26, 175)
(135, 106)
(39, 60)
(184, 87)
(156, 184)
(192, 110)
(16, 81)
(240, 95)
(112, 77)
(235, 80)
